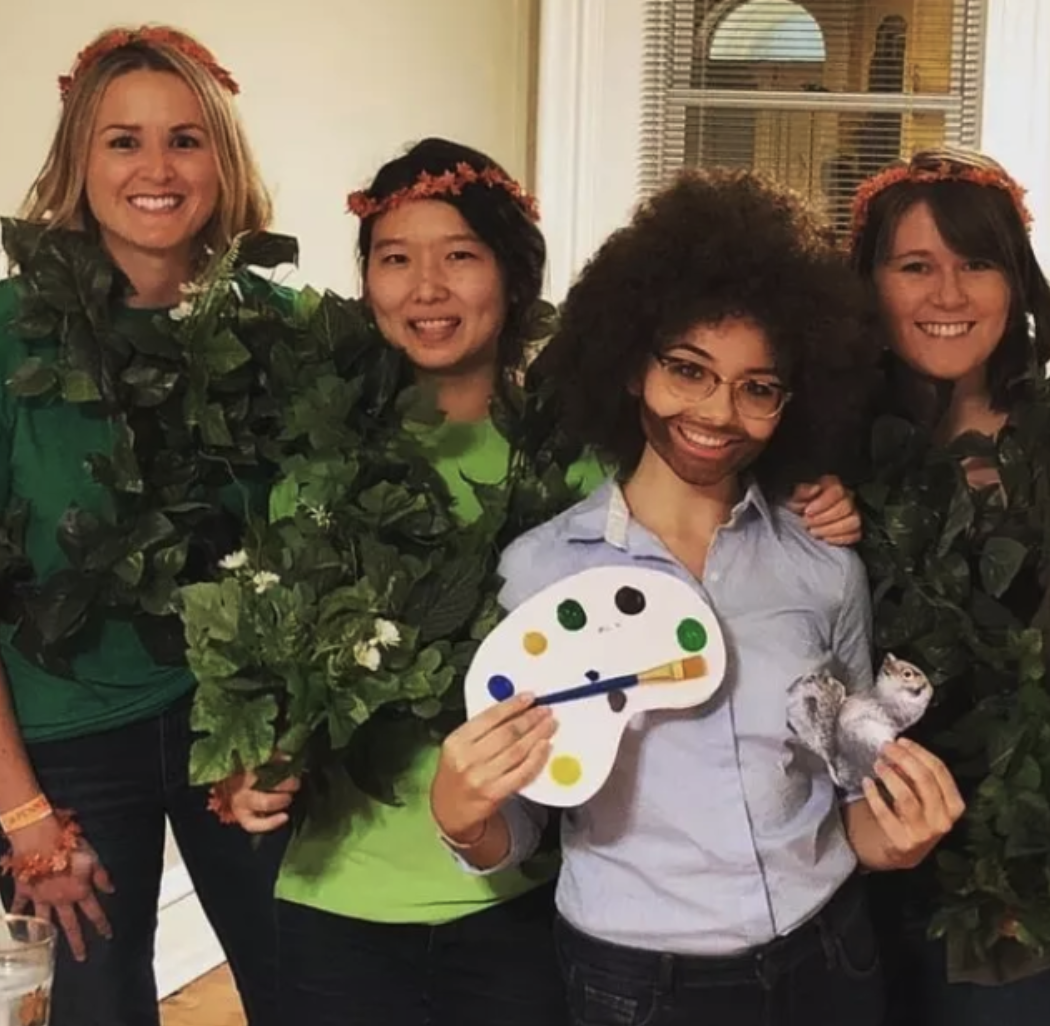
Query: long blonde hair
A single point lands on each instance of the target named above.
(58, 196)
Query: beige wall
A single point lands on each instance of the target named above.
(330, 89)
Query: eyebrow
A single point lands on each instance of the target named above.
(910, 253)
(705, 355)
(186, 126)
(400, 240)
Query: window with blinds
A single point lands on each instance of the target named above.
(819, 93)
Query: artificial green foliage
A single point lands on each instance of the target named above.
(359, 601)
(960, 581)
(319, 626)
(186, 397)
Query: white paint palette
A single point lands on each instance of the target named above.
(599, 647)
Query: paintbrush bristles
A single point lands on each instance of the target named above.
(680, 669)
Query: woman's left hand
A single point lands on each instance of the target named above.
(926, 804)
(829, 510)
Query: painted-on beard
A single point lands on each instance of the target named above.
(697, 467)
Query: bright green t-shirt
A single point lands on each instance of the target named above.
(385, 863)
(44, 446)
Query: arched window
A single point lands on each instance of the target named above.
(768, 30)
(816, 93)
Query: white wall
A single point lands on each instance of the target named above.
(330, 89)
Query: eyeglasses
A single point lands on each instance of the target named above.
(695, 383)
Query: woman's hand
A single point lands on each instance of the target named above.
(62, 895)
(486, 761)
(925, 806)
(829, 510)
(259, 812)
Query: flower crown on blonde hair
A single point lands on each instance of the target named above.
(150, 35)
(944, 165)
(451, 183)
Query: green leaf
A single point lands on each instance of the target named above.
(150, 385)
(223, 352)
(212, 609)
(1001, 558)
(62, 605)
(268, 249)
(445, 601)
(214, 429)
(79, 387)
(33, 378)
(284, 499)
(169, 561)
(959, 519)
(239, 734)
(131, 568)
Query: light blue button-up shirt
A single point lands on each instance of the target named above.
(715, 833)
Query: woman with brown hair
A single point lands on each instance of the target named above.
(957, 522)
(149, 172)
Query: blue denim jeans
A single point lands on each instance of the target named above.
(491, 968)
(122, 784)
(825, 973)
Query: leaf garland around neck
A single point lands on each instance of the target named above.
(961, 585)
(341, 633)
(186, 396)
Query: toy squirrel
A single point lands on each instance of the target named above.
(849, 730)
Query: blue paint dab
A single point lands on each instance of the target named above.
(501, 688)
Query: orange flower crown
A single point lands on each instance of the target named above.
(945, 165)
(451, 183)
(150, 35)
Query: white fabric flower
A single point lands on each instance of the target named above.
(182, 311)
(366, 654)
(387, 635)
(235, 560)
(264, 580)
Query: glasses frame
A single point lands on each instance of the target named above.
(665, 361)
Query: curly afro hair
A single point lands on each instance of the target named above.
(712, 245)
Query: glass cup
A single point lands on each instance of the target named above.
(27, 966)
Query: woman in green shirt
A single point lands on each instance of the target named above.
(377, 923)
(149, 168)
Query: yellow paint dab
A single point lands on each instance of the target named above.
(566, 770)
(535, 643)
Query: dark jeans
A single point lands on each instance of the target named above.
(920, 994)
(491, 968)
(121, 784)
(825, 973)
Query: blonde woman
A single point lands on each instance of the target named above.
(150, 164)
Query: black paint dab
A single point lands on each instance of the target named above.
(630, 601)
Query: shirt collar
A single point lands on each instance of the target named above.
(606, 517)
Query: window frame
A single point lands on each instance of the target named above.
(591, 77)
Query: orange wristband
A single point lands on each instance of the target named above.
(33, 811)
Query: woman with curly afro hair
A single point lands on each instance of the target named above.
(717, 351)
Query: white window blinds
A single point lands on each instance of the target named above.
(819, 93)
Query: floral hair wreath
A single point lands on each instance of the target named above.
(451, 183)
(150, 35)
(944, 165)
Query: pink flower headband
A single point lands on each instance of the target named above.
(946, 165)
(155, 35)
(451, 183)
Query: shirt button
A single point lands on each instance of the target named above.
(714, 576)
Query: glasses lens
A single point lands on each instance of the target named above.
(758, 399)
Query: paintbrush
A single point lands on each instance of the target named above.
(681, 669)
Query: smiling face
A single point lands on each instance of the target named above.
(705, 441)
(435, 288)
(152, 180)
(947, 313)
